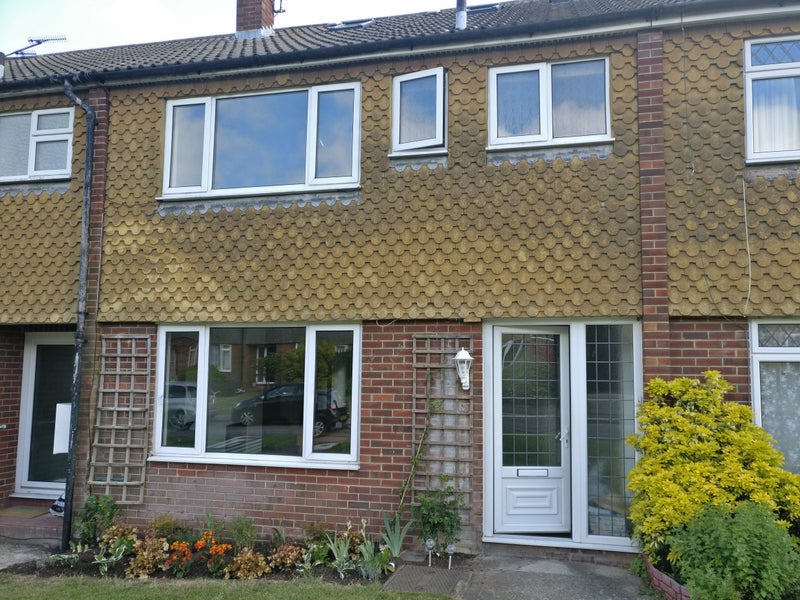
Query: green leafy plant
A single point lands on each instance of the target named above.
(168, 527)
(71, 558)
(371, 563)
(728, 553)
(110, 556)
(394, 535)
(98, 514)
(339, 547)
(243, 533)
(116, 535)
(438, 514)
(696, 449)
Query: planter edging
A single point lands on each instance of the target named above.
(671, 589)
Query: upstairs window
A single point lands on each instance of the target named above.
(772, 77)
(549, 103)
(273, 142)
(418, 110)
(36, 145)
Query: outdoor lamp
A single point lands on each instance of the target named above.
(463, 363)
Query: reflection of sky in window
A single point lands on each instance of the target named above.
(186, 160)
(260, 140)
(418, 109)
(335, 134)
(518, 104)
(579, 99)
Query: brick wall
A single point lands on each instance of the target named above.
(11, 350)
(291, 498)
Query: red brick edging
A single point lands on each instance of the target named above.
(672, 589)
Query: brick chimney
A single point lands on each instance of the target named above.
(254, 15)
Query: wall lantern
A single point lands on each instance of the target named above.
(463, 363)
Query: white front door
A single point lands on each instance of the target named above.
(531, 399)
(46, 382)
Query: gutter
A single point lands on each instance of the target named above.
(638, 19)
(80, 329)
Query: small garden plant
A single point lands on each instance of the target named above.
(704, 462)
(438, 513)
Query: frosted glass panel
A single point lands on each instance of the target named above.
(15, 135)
(780, 408)
(51, 156)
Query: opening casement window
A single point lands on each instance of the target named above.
(772, 78)
(542, 103)
(418, 104)
(36, 145)
(290, 396)
(776, 385)
(284, 141)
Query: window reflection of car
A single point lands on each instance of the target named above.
(283, 405)
(181, 404)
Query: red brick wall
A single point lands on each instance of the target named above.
(720, 345)
(11, 350)
(291, 498)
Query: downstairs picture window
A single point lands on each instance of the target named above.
(284, 395)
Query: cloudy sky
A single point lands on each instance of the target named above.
(101, 23)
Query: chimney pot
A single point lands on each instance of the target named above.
(254, 15)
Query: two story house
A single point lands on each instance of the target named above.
(238, 268)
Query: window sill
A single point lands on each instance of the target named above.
(261, 460)
(198, 203)
(772, 170)
(549, 152)
(417, 159)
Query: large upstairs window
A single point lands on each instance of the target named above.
(36, 145)
(549, 104)
(295, 140)
(772, 77)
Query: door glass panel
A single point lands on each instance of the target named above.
(780, 408)
(610, 419)
(52, 385)
(531, 400)
(180, 389)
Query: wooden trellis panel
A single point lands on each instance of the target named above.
(121, 428)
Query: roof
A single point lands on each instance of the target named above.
(293, 45)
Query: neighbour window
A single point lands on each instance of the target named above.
(280, 141)
(549, 103)
(772, 77)
(776, 385)
(418, 101)
(290, 396)
(36, 145)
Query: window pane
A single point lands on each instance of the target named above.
(780, 408)
(518, 104)
(418, 109)
(180, 389)
(335, 134)
(779, 335)
(186, 157)
(333, 391)
(52, 121)
(776, 114)
(610, 419)
(260, 140)
(246, 415)
(15, 134)
(773, 53)
(531, 385)
(579, 99)
(51, 156)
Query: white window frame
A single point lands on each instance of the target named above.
(766, 354)
(311, 182)
(308, 458)
(37, 136)
(438, 140)
(765, 72)
(545, 137)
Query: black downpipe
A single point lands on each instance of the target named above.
(80, 328)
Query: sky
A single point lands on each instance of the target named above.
(102, 23)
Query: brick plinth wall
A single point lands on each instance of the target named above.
(11, 349)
